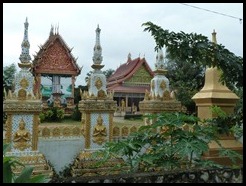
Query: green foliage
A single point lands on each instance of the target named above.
(174, 141)
(197, 49)
(53, 114)
(25, 176)
(107, 73)
(187, 84)
(76, 114)
(9, 76)
(42, 117)
(226, 123)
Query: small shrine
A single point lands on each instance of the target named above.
(129, 83)
(23, 108)
(159, 98)
(214, 93)
(55, 70)
(97, 108)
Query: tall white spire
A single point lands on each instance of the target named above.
(25, 45)
(97, 55)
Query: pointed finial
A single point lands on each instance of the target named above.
(97, 56)
(214, 37)
(25, 45)
(129, 56)
(58, 28)
(52, 30)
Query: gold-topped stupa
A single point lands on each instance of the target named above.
(214, 93)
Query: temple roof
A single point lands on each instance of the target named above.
(126, 70)
(54, 57)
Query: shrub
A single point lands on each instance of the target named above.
(76, 114)
(174, 141)
(24, 177)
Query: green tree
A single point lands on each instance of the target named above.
(107, 73)
(198, 49)
(187, 84)
(9, 76)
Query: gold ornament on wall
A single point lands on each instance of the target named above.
(98, 83)
(163, 85)
(99, 131)
(22, 137)
(24, 83)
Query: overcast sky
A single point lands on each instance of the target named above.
(121, 30)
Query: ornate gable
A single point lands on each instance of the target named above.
(55, 58)
(141, 76)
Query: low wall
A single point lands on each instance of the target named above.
(225, 175)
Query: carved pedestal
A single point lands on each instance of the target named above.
(157, 106)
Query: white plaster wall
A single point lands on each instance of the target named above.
(60, 152)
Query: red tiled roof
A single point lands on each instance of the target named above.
(126, 70)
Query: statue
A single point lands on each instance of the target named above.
(100, 131)
(134, 108)
(21, 136)
(123, 105)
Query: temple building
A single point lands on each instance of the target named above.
(55, 70)
(130, 82)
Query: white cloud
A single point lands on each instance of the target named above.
(121, 30)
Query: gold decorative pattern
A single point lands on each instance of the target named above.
(157, 106)
(21, 137)
(163, 85)
(24, 83)
(66, 131)
(37, 161)
(166, 95)
(92, 105)
(133, 129)
(22, 94)
(98, 83)
(124, 131)
(76, 131)
(36, 122)
(101, 94)
(116, 131)
(46, 132)
(30, 106)
(99, 131)
(56, 132)
(141, 76)
(87, 130)
(9, 128)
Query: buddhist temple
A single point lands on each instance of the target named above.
(130, 82)
(55, 70)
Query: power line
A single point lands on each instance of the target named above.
(240, 19)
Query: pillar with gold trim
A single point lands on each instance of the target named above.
(159, 99)
(22, 108)
(97, 108)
